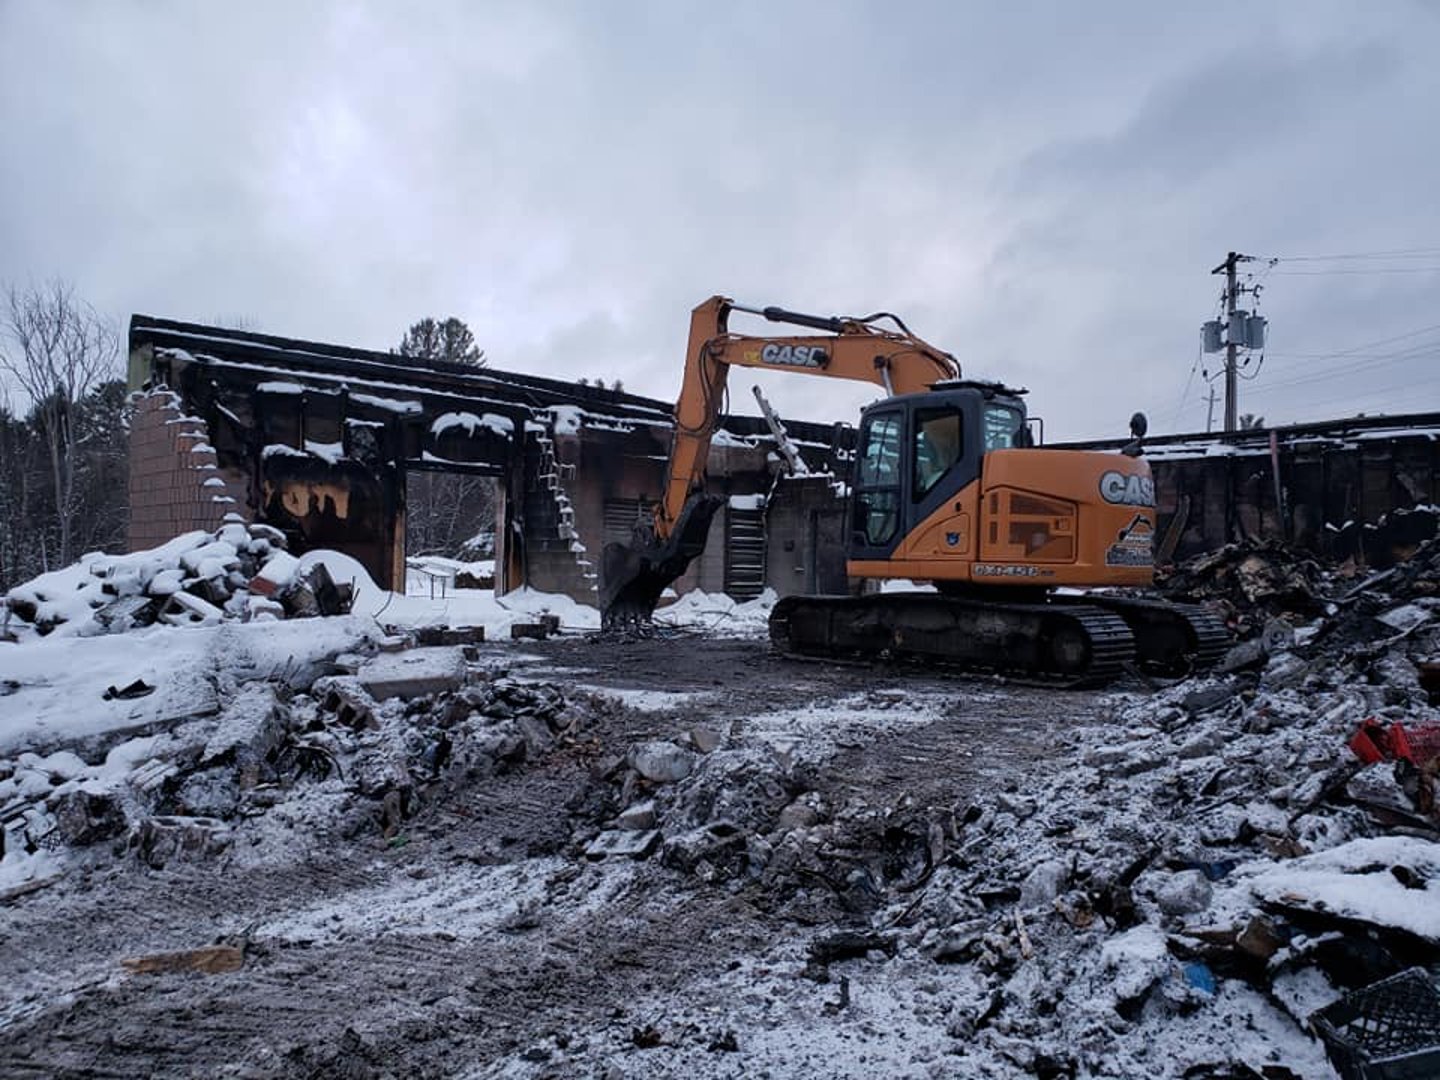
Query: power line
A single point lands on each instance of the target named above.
(1361, 361)
(1184, 394)
(1406, 253)
(1359, 394)
(1333, 373)
(1375, 270)
(1355, 350)
(1378, 392)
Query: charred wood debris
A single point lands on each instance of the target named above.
(1272, 822)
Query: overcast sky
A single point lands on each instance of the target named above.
(1041, 188)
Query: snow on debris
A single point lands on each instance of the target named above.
(1391, 881)
(720, 614)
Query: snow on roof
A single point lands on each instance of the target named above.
(726, 438)
(500, 425)
(404, 408)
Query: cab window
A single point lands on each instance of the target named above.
(1003, 426)
(938, 446)
(877, 480)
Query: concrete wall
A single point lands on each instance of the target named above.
(805, 522)
(175, 483)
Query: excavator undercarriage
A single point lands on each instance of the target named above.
(1079, 640)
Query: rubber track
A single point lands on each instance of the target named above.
(894, 623)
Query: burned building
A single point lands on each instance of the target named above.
(317, 440)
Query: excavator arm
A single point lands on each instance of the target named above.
(633, 576)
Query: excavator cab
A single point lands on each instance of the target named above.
(917, 452)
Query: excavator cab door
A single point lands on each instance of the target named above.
(914, 454)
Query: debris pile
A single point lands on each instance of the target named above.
(239, 571)
(353, 754)
(1250, 583)
(1259, 840)
(1180, 882)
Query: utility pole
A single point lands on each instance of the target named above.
(1231, 295)
(1210, 411)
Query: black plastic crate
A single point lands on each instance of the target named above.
(1390, 1030)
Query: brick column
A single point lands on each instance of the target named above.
(175, 483)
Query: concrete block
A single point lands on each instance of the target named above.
(414, 673)
(624, 843)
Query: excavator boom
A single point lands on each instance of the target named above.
(634, 575)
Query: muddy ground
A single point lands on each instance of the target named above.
(481, 941)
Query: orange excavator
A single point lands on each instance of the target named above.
(948, 488)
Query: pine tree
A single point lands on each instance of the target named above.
(449, 340)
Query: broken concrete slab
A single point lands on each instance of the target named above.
(160, 840)
(347, 699)
(623, 843)
(414, 673)
(1185, 893)
(127, 612)
(249, 730)
(87, 817)
(705, 739)
(641, 817)
(183, 609)
(1044, 883)
(1380, 881)
(662, 762)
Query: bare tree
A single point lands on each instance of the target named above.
(57, 349)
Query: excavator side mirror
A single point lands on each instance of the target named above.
(1138, 426)
(1033, 433)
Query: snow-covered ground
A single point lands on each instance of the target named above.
(1152, 881)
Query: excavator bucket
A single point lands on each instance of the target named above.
(632, 576)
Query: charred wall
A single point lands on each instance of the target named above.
(1329, 490)
(317, 441)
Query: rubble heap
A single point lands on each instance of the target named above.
(363, 750)
(1250, 583)
(1207, 849)
(1178, 884)
(240, 571)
